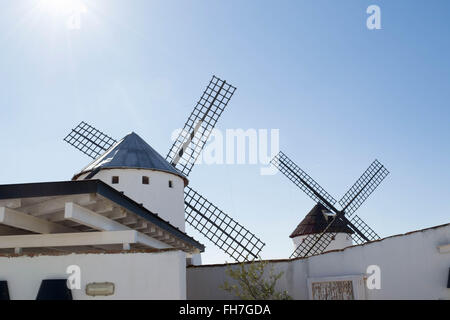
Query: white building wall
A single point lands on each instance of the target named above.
(155, 196)
(160, 275)
(342, 240)
(411, 268)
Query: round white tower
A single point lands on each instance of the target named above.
(315, 222)
(136, 169)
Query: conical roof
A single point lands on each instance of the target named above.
(316, 222)
(134, 153)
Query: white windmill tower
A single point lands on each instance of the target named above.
(316, 221)
(160, 184)
(132, 166)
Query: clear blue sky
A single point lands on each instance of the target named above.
(340, 94)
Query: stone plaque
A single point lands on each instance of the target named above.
(332, 290)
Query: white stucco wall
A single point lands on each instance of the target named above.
(155, 196)
(342, 240)
(411, 268)
(160, 275)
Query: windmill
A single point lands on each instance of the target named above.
(218, 227)
(317, 243)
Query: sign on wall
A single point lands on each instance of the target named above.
(337, 288)
(332, 290)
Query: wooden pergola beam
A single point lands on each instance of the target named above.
(20, 220)
(78, 214)
(11, 203)
(68, 239)
(57, 205)
(81, 215)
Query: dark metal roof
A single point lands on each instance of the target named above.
(316, 222)
(132, 152)
(48, 189)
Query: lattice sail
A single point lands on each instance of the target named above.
(197, 129)
(364, 228)
(363, 187)
(222, 230)
(302, 180)
(89, 140)
(317, 243)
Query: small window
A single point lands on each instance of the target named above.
(115, 180)
(145, 180)
(170, 184)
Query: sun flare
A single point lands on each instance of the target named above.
(61, 7)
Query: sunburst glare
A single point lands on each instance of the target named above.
(69, 9)
(62, 6)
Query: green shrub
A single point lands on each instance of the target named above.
(254, 282)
